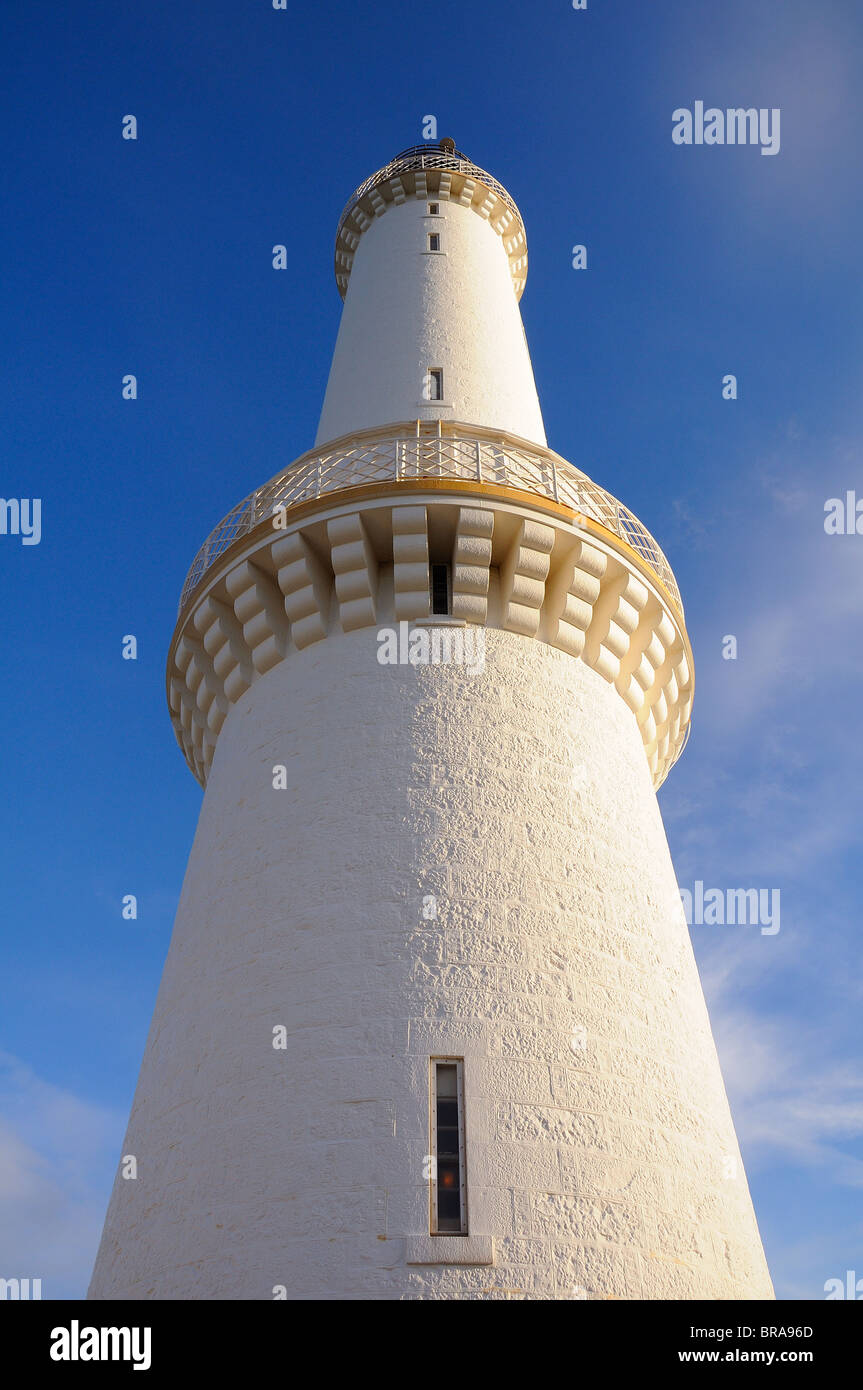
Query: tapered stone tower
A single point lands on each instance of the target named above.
(430, 1024)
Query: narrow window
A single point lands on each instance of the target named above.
(434, 209)
(448, 1196)
(434, 384)
(439, 587)
(434, 241)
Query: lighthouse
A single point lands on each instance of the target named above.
(430, 1025)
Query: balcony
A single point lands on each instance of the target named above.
(441, 450)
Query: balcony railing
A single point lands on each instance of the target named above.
(428, 157)
(437, 449)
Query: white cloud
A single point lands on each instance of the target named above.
(792, 1099)
(56, 1154)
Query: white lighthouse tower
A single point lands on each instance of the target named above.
(430, 1024)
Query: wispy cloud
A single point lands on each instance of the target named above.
(790, 1100)
(768, 795)
(56, 1151)
(798, 1113)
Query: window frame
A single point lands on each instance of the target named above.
(434, 375)
(434, 1216)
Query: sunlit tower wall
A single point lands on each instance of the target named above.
(430, 1024)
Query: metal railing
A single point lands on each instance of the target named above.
(429, 449)
(427, 157)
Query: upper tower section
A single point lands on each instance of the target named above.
(431, 260)
(430, 464)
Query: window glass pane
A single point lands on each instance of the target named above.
(440, 604)
(448, 1213)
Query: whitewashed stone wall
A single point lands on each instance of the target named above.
(521, 798)
(408, 309)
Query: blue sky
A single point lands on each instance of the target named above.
(154, 257)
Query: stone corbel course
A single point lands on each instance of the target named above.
(349, 563)
(464, 183)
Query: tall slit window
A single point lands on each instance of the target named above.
(434, 384)
(439, 588)
(434, 241)
(448, 1193)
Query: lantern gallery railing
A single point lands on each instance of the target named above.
(428, 157)
(436, 449)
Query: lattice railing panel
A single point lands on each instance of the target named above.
(440, 450)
